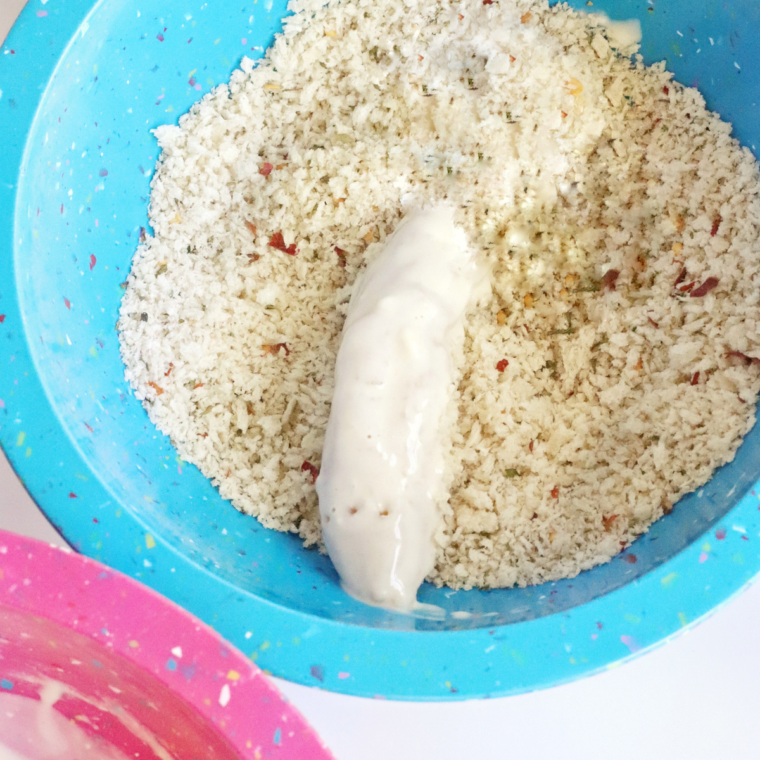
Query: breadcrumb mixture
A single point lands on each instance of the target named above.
(616, 365)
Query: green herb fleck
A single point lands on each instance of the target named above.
(567, 330)
(511, 473)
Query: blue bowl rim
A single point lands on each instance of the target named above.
(434, 666)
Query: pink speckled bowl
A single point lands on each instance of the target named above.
(138, 673)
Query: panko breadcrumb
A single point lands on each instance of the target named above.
(616, 364)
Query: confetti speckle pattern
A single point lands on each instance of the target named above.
(83, 120)
(59, 602)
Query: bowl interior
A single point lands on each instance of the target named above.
(81, 202)
(114, 704)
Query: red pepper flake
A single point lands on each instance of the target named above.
(251, 226)
(686, 288)
(72, 495)
(705, 287)
(609, 279)
(530, 446)
(607, 522)
(311, 469)
(198, 385)
(169, 371)
(266, 170)
(421, 57)
(666, 90)
(631, 559)
(599, 626)
(555, 492)
(67, 302)
(487, 2)
(2, 318)
(695, 378)
(681, 277)
(564, 115)
(744, 357)
(512, 59)
(93, 261)
(88, 427)
(277, 241)
(502, 365)
(715, 225)
(535, 515)
(745, 538)
(95, 520)
(652, 322)
(157, 388)
(253, 257)
(461, 17)
(741, 400)
(274, 348)
(720, 534)
(160, 37)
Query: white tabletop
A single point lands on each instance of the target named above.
(697, 697)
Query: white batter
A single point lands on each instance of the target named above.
(381, 483)
(34, 729)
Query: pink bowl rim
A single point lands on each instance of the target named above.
(226, 688)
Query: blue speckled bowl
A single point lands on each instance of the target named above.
(81, 85)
